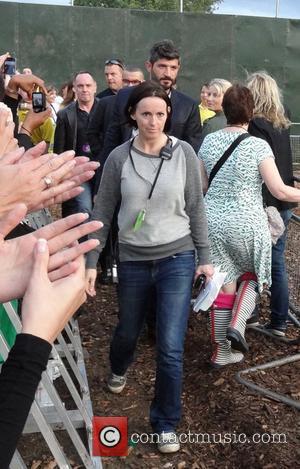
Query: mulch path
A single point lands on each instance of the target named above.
(214, 403)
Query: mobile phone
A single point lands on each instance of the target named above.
(10, 66)
(199, 282)
(20, 230)
(38, 101)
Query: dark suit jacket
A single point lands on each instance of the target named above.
(65, 137)
(100, 120)
(185, 122)
(66, 129)
(105, 93)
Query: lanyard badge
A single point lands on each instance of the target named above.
(139, 219)
(165, 154)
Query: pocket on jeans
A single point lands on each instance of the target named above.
(184, 254)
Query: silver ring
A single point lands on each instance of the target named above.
(48, 181)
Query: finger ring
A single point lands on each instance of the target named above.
(48, 181)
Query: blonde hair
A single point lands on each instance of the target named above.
(267, 99)
(220, 84)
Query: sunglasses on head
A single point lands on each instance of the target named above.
(114, 62)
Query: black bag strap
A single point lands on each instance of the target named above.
(225, 156)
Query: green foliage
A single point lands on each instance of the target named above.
(205, 6)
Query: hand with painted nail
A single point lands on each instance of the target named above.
(17, 254)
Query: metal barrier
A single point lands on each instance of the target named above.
(265, 391)
(293, 272)
(293, 263)
(49, 413)
(295, 146)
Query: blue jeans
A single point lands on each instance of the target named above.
(172, 279)
(82, 203)
(279, 288)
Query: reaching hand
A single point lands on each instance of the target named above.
(34, 120)
(17, 254)
(48, 305)
(7, 141)
(23, 175)
(27, 83)
(90, 280)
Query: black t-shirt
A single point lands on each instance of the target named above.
(82, 145)
(279, 141)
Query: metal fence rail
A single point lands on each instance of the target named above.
(293, 271)
(292, 262)
(48, 412)
(295, 146)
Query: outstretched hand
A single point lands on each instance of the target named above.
(17, 254)
(22, 177)
(27, 83)
(48, 305)
(7, 141)
(34, 119)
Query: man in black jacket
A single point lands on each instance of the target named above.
(103, 113)
(163, 66)
(113, 71)
(71, 134)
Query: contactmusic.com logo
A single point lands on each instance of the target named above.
(110, 436)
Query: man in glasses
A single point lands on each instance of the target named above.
(132, 76)
(113, 71)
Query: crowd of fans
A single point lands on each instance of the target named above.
(179, 187)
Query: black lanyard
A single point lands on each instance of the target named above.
(157, 172)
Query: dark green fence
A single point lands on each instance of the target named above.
(57, 41)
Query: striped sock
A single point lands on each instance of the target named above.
(243, 307)
(220, 316)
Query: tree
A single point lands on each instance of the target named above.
(204, 6)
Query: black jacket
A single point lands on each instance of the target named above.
(279, 141)
(105, 93)
(65, 137)
(100, 120)
(185, 121)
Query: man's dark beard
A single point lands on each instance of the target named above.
(173, 82)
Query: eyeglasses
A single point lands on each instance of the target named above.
(114, 62)
(127, 82)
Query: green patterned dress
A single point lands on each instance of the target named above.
(238, 230)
